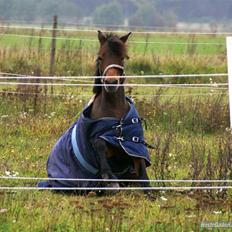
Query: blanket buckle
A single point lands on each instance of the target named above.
(135, 139)
(135, 120)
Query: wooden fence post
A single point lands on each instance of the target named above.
(53, 50)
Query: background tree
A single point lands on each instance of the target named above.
(34, 10)
(140, 12)
(148, 15)
(68, 12)
(110, 14)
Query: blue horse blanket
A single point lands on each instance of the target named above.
(74, 157)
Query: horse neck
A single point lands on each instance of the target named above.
(116, 100)
(110, 105)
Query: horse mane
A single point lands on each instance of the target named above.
(117, 48)
(96, 88)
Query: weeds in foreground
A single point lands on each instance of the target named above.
(26, 140)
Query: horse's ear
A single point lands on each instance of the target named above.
(125, 37)
(101, 37)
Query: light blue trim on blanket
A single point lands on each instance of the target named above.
(79, 156)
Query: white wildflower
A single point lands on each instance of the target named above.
(23, 115)
(215, 84)
(7, 173)
(4, 116)
(15, 174)
(3, 210)
(163, 198)
(53, 114)
(170, 154)
(217, 212)
(191, 216)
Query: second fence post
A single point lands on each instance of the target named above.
(53, 50)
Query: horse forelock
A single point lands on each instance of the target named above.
(115, 45)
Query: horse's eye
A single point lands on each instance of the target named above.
(99, 59)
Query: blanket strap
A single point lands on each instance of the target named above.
(118, 128)
(138, 140)
(148, 145)
(78, 154)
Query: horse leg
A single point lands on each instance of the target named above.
(100, 147)
(140, 168)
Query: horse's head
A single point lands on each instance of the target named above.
(110, 61)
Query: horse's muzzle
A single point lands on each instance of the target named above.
(111, 84)
(112, 77)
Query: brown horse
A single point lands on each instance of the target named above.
(106, 141)
(110, 102)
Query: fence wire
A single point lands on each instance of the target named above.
(95, 40)
(119, 188)
(118, 180)
(131, 95)
(118, 31)
(151, 76)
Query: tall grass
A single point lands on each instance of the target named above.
(77, 61)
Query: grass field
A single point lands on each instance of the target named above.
(190, 134)
(151, 54)
(139, 43)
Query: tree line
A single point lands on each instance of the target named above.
(117, 12)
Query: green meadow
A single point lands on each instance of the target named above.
(143, 43)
